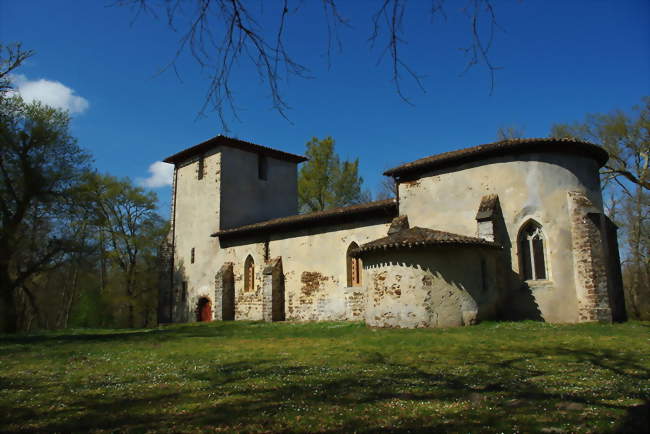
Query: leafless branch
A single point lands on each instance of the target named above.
(11, 57)
(221, 32)
(478, 51)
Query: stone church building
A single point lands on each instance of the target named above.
(508, 230)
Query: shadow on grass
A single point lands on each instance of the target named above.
(240, 329)
(100, 336)
(273, 395)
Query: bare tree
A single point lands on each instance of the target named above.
(219, 33)
(387, 188)
(510, 132)
(11, 57)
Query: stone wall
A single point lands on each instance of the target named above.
(590, 264)
(436, 286)
(246, 199)
(224, 293)
(229, 193)
(530, 186)
(314, 270)
(196, 216)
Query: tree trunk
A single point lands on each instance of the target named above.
(102, 262)
(8, 309)
(130, 290)
(67, 307)
(8, 317)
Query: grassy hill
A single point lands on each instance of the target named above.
(316, 377)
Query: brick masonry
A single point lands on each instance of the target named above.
(589, 259)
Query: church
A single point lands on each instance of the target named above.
(509, 230)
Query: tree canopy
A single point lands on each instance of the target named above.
(40, 165)
(327, 182)
(71, 241)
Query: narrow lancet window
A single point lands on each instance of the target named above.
(249, 274)
(354, 267)
(532, 260)
(201, 168)
(262, 167)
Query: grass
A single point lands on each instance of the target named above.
(324, 377)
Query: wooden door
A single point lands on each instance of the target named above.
(205, 311)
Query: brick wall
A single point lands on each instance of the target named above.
(590, 267)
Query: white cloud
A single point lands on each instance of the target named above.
(52, 93)
(161, 175)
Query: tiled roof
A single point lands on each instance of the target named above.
(387, 208)
(503, 147)
(418, 237)
(233, 143)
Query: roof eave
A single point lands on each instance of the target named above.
(493, 149)
(234, 143)
(286, 224)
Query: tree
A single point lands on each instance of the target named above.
(219, 34)
(627, 189)
(40, 164)
(11, 57)
(626, 139)
(326, 182)
(510, 132)
(127, 215)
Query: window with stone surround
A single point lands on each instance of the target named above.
(353, 267)
(532, 258)
(249, 274)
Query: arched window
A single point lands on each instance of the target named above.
(532, 263)
(353, 267)
(249, 274)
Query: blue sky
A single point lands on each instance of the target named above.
(558, 61)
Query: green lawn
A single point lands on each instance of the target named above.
(250, 376)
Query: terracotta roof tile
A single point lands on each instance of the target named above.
(419, 237)
(233, 143)
(386, 208)
(503, 147)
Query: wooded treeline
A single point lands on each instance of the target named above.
(77, 248)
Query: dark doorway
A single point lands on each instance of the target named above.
(204, 310)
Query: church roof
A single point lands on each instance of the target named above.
(503, 147)
(383, 208)
(233, 143)
(419, 237)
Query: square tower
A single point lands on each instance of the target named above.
(219, 184)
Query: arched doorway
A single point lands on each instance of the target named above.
(204, 310)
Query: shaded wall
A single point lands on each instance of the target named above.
(438, 286)
(246, 199)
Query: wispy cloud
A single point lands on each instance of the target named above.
(52, 93)
(161, 175)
